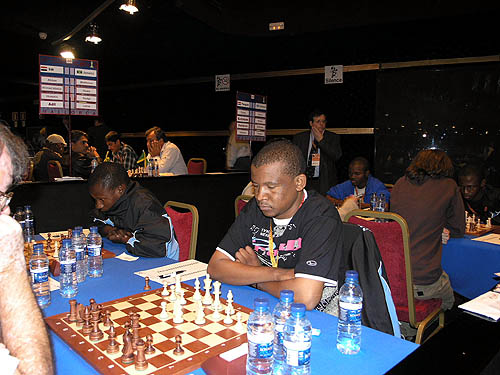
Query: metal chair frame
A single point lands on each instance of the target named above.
(194, 225)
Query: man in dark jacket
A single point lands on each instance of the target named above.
(128, 213)
(321, 149)
(53, 150)
(81, 155)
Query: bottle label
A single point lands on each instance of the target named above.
(350, 312)
(279, 333)
(80, 253)
(40, 275)
(297, 353)
(94, 250)
(261, 345)
(68, 266)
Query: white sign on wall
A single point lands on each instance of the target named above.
(334, 74)
(223, 82)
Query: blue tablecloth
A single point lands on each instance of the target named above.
(379, 353)
(470, 265)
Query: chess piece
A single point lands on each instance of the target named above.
(239, 324)
(182, 300)
(113, 345)
(127, 350)
(488, 223)
(146, 280)
(228, 320)
(135, 320)
(230, 302)
(178, 348)
(163, 315)
(173, 295)
(107, 320)
(178, 283)
(216, 315)
(135, 337)
(207, 298)
(96, 333)
(149, 345)
(164, 292)
(56, 250)
(140, 359)
(178, 318)
(72, 311)
(197, 294)
(80, 310)
(93, 304)
(200, 315)
(87, 327)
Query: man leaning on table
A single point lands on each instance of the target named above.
(302, 228)
(128, 213)
(23, 331)
(166, 153)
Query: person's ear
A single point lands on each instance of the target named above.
(300, 182)
(121, 189)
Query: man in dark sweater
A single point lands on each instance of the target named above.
(130, 214)
(480, 198)
(53, 150)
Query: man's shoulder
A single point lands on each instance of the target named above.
(317, 205)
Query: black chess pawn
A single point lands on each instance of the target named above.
(140, 359)
(150, 349)
(113, 345)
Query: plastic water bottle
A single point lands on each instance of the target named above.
(150, 168)
(29, 224)
(94, 244)
(156, 170)
(280, 315)
(93, 164)
(260, 335)
(349, 326)
(79, 247)
(373, 202)
(297, 338)
(67, 278)
(381, 202)
(39, 270)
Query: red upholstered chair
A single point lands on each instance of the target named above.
(393, 240)
(197, 166)
(54, 170)
(240, 202)
(185, 221)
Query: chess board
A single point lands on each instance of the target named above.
(200, 342)
(479, 230)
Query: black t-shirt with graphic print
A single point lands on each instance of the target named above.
(310, 242)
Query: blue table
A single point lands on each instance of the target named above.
(470, 265)
(379, 353)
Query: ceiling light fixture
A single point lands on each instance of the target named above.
(67, 51)
(129, 6)
(93, 36)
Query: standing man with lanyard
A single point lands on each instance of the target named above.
(321, 149)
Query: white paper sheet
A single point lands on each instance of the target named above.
(127, 257)
(486, 305)
(53, 284)
(493, 238)
(189, 269)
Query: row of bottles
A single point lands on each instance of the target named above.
(280, 343)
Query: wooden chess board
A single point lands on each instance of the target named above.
(200, 342)
(479, 230)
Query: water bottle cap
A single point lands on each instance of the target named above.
(261, 303)
(76, 232)
(286, 295)
(93, 229)
(66, 242)
(38, 248)
(79, 227)
(351, 274)
(298, 308)
(27, 207)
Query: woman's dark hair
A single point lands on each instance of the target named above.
(430, 163)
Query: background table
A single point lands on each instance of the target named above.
(471, 265)
(379, 353)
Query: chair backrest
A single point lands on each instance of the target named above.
(197, 166)
(185, 222)
(393, 240)
(240, 202)
(54, 170)
(389, 187)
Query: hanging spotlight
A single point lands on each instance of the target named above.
(93, 36)
(129, 6)
(67, 51)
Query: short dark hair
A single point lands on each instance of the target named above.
(430, 163)
(472, 170)
(315, 113)
(17, 151)
(109, 176)
(76, 135)
(360, 160)
(112, 136)
(282, 151)
(159, 134)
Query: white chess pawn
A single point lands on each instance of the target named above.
(197, 294)
(173, 295)
(239, 324)
(177, 283)
(164, 292)
(217, 305)
(228, 320)
(178, 318)
(230, 301)
(200, 315)
(182, 300)
(488, 223)
(216, 315)
(163, 315)
(207, 298)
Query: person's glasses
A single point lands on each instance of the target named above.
(5, 199)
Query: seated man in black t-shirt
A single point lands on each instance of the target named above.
(302, 229)
(480, 198)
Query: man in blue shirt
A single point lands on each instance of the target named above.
(360, 184)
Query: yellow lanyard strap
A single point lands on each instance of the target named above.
(274, 262)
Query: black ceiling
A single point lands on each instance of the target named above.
(171, 39)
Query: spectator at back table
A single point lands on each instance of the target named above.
(53, 150)
(167, 154)
(127, 213)
(121, 152)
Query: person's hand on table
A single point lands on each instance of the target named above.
(247, 256)
(445, 236)
(119, 235)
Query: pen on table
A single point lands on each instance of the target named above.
(171, 274)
